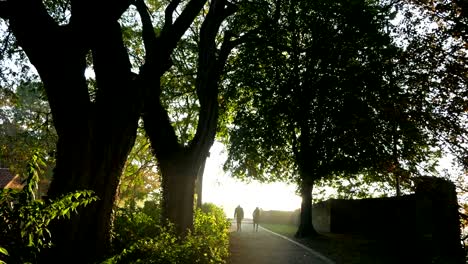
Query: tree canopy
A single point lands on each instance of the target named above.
(320, 94)
(313, 89)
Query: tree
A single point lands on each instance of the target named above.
(434, 38)
(179, 93)
(96, 119)
(96, 126)
(431, 70)
(315, 98)
(179, 163)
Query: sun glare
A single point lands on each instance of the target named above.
(223, 190)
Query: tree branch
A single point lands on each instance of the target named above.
(169, 12)
(174, 32)
(58, 64)
(210, 68)
(219, 11)
(149, 38)
(90, 12)
(112, 67)
(6, 40)
(160, 131)
(157, 123)
(4, 9)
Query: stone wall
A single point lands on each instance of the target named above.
(367, 216)
(428, 217)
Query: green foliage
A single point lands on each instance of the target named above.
(25, 127)
(4, 252)
(318, 95)
(356, 187)
(132, 224)
(208, 243)
(210, 233)
(434, 37)
(140, 175)
(152, 208)
(25, 219)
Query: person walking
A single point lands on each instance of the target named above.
(239, 215)
(256, 219)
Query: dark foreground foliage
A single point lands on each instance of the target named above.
(24, 219)
(139, 237)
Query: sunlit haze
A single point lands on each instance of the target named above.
(223, 190)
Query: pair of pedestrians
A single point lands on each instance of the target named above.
(239, 215)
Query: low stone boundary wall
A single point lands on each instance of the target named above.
(429, 217)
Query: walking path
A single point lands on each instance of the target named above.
(266, 246)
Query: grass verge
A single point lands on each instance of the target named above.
(285, 230)
(354, 249)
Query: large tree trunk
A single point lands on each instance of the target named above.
(306, 228)
(94, 142)
(179, 175)
(91, 160)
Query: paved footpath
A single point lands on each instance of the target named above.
(264, 246)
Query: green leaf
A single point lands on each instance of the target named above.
(3, 251)
(30, 240)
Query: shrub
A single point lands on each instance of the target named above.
(210, 238)
(208, 243)
(24, 220)
(153, 209)
(131, 225)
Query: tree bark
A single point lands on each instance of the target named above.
(179, 175)
(398, 184)
(94, 144)
(199, 184)
(306, 228)
(95, 163)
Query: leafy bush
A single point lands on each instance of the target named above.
(153, 209)
(4, 252)
(24, 220)
(131, 225)
(208, 243)
(211, 235)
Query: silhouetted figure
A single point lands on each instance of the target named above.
(239, 215)
(256, 219)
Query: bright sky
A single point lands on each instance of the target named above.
(223, 190)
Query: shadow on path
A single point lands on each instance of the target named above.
(265, 246)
